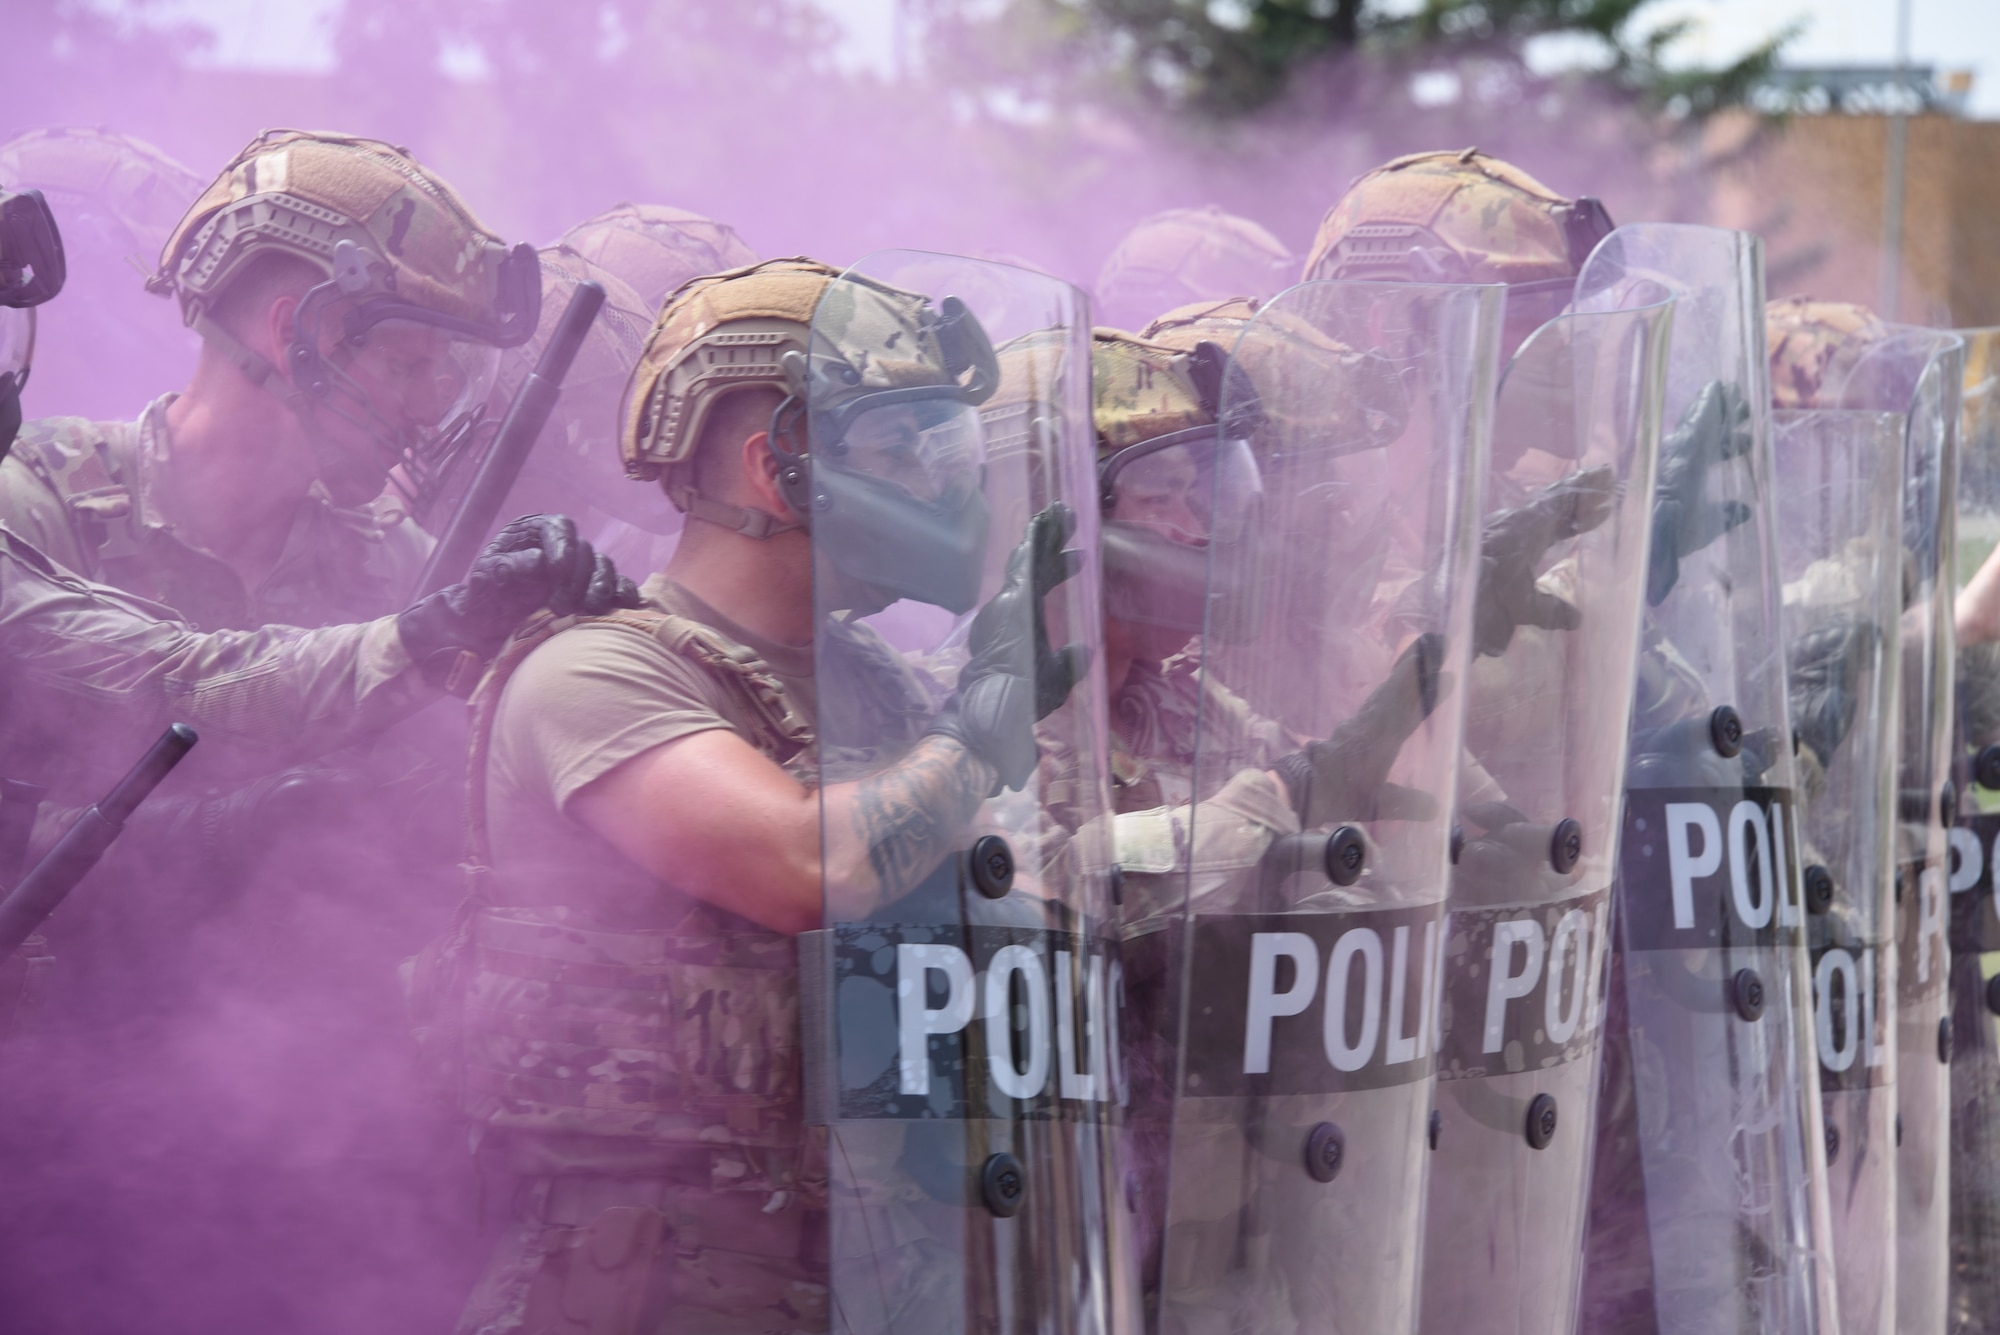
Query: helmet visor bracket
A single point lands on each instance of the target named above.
(32, 267)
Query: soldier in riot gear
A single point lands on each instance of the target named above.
(350, 308)
(665, 798)
(1561, 583)
(1189, 255)
(110, 348)
(1859, 548)
(1277, 585)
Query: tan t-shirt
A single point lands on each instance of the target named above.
(584, 703)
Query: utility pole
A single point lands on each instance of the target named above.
(1892, 192)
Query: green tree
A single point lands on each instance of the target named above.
(1223, 59)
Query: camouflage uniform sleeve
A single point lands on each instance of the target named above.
(284, 694)
(30, 505)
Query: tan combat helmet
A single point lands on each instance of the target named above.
(656, 247)
(1186, 255)
(838, 348)
(1815, 349)
(395, 247)
(1462, 217)
(1314, 392)
(116, 194)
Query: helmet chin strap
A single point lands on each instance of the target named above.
(758, 524)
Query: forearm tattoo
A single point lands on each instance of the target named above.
(910, 815)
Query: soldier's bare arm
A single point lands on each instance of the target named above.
(716, 819)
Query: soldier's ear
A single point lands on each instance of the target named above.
(759, 469)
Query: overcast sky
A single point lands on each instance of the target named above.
(1951, 34)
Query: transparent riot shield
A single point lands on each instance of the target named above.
(1290, 942)
(1562, 578)
(573, 468)
(1708, 1208)
(960, 1000)
(1840, 559)
(1915, 376)
(1974, 1004)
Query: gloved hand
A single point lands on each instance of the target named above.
(1343, 776)
(1014, 679)
(235, 826)
(1513, 545)
(1826, 664)
(1715, 429)
(537, 561)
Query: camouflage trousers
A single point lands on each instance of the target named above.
(590, 1255)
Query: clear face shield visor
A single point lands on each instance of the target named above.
(898, 497)
(416, 390)
(1173, 506)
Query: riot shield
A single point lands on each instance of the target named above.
(1290, 946)
(1915, 375)
(1708, 1204)
(1562, 578)
(1974, 1158)
(959, 1002)
(1839, 535)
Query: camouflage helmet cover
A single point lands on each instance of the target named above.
(830, 343)
(1314, 391)
(1142, 390)
(1815, 348)
(1455, 217)
(125, 188)
(1185, 255)
(391, 234)
(656, 247)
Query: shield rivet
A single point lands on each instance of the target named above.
(1437, 1127)
(1004, 1184)
(1944, 1039)
(1746, 991)
(1819, 889)
(1899, 1128)
(1566, 846)
(992, 864)
(1986, 767)
(1832, 1143)
(1346, 851)
(1325, 1149)
(1541, 1121)
(1725, 730)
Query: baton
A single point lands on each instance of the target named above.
(519, 429)
(19, 802)
(44, 888)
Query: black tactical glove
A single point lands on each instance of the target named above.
(1826, 664)
(1014, 679)
(1342, 777)
(234, 827)
(1715, 429)
(1512, 546)
(537, 561)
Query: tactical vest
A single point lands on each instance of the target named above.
(543, 1020)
